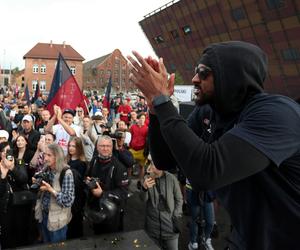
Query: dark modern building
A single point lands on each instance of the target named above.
(179, 30)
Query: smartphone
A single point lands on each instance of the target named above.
(151, 175)
(9, 155)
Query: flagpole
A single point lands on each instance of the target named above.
(87, 108)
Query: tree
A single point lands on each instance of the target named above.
(178, 78)
(15, 70)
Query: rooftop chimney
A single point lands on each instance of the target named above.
(64, 43)
(51, 44)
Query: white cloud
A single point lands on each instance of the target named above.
(92, 27)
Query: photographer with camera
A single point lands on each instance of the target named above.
(53, 207)
(121, 151)
(163, 198)
(15, 211)
(107, 182)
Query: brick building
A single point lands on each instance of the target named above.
(17, 78)
(179, 30)
(96, 73)
(40, 63)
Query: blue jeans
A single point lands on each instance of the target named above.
(52, 236)
(208, 215)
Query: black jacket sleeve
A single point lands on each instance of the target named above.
(207, 166)
(4, 196)
(159, 149)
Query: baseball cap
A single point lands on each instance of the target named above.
(98, 116)
(27, 118)
(69, 111)
(4, 134)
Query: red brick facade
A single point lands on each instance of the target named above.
(40, 63)
(98, 71)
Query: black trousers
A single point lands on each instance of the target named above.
(75, 227)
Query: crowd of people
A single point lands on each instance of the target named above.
(239, 144)
(58, 168)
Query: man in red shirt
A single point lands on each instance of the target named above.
(137, 144)
(124, 109)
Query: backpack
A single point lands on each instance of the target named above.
(80, 195)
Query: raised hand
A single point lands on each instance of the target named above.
(151, 81)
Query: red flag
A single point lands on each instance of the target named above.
(64, 91)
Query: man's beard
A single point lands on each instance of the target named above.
(203, 99)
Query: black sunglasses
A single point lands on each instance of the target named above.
(203, 72)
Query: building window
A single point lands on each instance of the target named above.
(291, 54)
(101, 72)
(43, 85)
(159, 39)
(187, 29)
(108, 72)
(35, 68)
(238, 14)
(275, 4)
(73, 70)
(34, 83)
(43, 68)
(174, 34)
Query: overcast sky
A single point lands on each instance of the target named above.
(24, 23)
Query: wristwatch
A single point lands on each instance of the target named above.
(161, 99)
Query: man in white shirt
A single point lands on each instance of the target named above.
(65, 127)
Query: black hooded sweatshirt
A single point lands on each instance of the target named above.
(254, 162)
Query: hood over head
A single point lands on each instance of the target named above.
(239, 70)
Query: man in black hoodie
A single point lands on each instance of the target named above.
(254, 162)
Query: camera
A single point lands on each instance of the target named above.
(91, 184)
(117, 135)
(9, 155)
(40, 176)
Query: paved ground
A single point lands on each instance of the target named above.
(134, 222)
